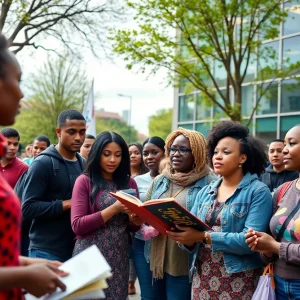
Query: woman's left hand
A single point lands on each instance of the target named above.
(262, 242)
(189, 236)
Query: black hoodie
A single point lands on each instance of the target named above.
(274, 179)
(43, 194)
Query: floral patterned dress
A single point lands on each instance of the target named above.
(212, 281)
(113, 243)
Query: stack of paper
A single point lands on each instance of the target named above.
(87, 277)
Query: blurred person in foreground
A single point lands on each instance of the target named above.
(37, 277)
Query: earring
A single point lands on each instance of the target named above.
(240, 165)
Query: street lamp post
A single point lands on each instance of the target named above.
(129, 114)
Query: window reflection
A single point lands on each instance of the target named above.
(203, 128)
(186, 108)
(268, 102)
(291, 24)
(266, 129)
(291, 50)
(268, 58)
(290, 96)
(286, 123)
(203, 108)
(247, 100)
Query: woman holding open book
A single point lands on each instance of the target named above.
(98, 218)
(182, 178)
(153, 152)
(237, 201)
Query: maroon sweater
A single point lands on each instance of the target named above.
(13, 171)
(85, 219)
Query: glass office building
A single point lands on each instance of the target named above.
(280, 107)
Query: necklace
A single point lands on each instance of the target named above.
(177, 193)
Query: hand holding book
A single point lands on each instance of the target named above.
(162, 214)
(188, 236)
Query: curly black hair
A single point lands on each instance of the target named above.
(254, 148)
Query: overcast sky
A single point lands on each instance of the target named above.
(112, 78)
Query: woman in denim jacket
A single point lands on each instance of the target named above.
(182, 178)
(226, 267)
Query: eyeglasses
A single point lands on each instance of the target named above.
(181, 151)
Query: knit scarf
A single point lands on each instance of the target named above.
(159, 243)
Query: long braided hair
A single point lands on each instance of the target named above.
(197, 143)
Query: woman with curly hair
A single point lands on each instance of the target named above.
(237, 201)
(183, 177)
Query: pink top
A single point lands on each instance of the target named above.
(85, 218)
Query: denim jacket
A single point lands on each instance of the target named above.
(161, 185)
(250, 206)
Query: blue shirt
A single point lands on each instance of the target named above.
(250, 206)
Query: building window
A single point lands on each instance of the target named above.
(203, 128)
(268, 102)
(290, 96)
(270, 57)
(220, 74)
(186, 108)
(286, 123)
(218, 113)
(251, 69)
(291, 24)
(186, 126)
(290, 51)
(266, 129)
(203, 110)
(247, 100)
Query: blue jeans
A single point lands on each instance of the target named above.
(168, 288)
(287, 289)
(36, 253)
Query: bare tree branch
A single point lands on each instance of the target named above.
(80, 21)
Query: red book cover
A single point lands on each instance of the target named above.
(162, 214)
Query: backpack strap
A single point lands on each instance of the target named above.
(55, 165)
(283, 190)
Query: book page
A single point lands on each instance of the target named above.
(129, 197)
(84, 269)
(156, 201)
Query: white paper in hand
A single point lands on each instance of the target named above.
(84, 268)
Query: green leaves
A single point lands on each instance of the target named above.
(160, 124)
(209, 44)
(58, 85)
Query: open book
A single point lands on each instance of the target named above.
(86, 280)
(162, 214)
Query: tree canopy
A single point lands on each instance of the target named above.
(129, 133)
(208, 46)
(73, 24)
(58, 85)
(160, 124)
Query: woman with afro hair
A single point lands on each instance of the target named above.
(237, 201)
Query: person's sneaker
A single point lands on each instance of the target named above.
(131, 288)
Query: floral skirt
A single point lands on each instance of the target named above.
(213, 282)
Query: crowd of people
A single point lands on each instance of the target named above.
(62, 205)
